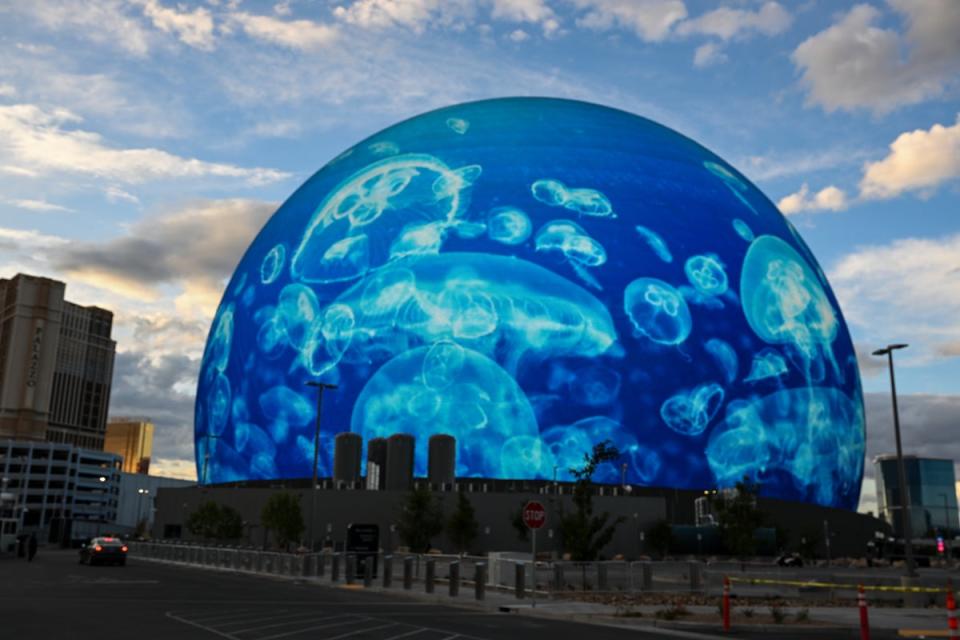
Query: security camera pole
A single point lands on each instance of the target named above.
(320, 386)
(901, 471)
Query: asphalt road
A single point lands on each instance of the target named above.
(56, 598)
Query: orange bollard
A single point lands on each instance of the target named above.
(864, 619)
(952, 611)
(726, 603)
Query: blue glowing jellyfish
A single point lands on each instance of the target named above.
(734, 184)
(657, 311)
(706, 274)
(272, 264)
(656, 243)
(458, 125)
(588, 202)
(743, 229)
(508, 225)
(689, 412)
(725, 357)
(447, 389)
(766, 364)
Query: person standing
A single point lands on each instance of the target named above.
(32, 547)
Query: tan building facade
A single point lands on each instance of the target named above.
(56, 364)
(131, 438)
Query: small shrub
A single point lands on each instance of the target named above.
(671, 613)
(803, 615)
(747, 613)
(777, 613)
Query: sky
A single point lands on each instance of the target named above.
(143, 143)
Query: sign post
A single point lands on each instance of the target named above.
(534, 517)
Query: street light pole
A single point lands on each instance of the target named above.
(901, 470)
(321, 387)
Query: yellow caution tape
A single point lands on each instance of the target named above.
(833, 585)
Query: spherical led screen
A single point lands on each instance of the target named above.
(533, 276)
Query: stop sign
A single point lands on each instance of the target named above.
(534, 515)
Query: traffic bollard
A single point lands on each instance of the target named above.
(350, 568)
(696, 577)
(387, 571)
(431, 574)
(864, 619)
(335, 567)
(646, 576)
(951, 611)
(480, 581)
(321, 564)
(726, 603)
(408, 573)
(558, 577)
(367, 565)
(454, 576)
(520, 581)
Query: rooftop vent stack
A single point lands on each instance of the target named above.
(347, 449)
(442, 460)
(400, 449)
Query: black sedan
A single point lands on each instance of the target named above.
(104, 550)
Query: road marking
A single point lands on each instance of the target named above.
(306, 621)
(344, 635)
(244, 613)
(200, 626)
(320, 626)
(409, 633)
(249, 620)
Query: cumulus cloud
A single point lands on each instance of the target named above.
(194, 28)
(910, 287)
(107, 22)
(827, 199)
(918, 160)
(856, 64)
(411, 14)
(43, 141)
(726, 23)
(305, 35)
(708, 54)
(194, 248)
(38, 205)
(652, 21)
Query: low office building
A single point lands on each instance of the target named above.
(931, 495)
(58, 491)
(137, 500)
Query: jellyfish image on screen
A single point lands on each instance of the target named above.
(534, 276)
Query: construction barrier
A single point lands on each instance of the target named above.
(864, 619)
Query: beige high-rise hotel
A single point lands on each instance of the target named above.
(56, 364)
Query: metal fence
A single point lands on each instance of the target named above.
(519, 576)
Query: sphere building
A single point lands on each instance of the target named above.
(533, 276)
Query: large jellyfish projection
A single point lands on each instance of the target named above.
(533, 276)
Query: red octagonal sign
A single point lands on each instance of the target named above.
(534, 515)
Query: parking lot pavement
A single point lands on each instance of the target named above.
(55, 597)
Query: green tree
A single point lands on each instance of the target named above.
(516, 521)
(660, 537)
(420, 520)
(584, 533)
(212, 521)
(462, 527)
(738, 517)
(283, 516)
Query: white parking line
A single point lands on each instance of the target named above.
(257, 620)
(409, 633)
(237, 615)
(315, 628)
(304, 621)
(340, 637)
(199, 626)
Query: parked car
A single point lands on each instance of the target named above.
(790, 560)
(104, 550)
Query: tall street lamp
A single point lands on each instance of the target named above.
(901, 470)
(320, 387)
